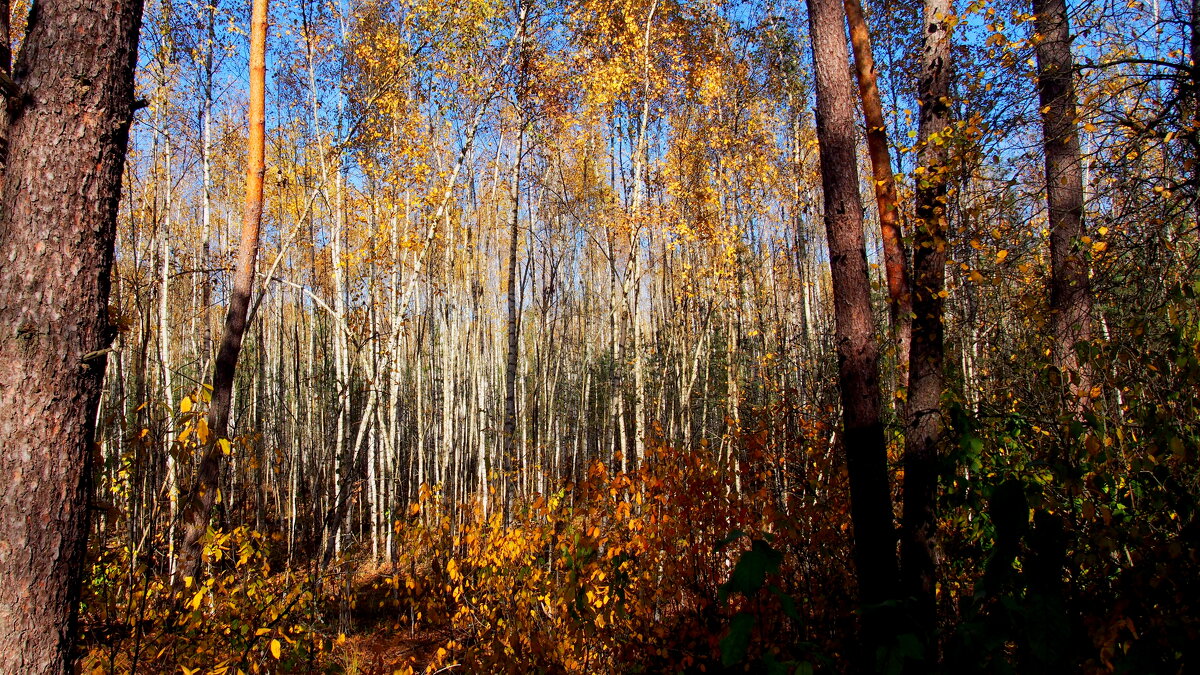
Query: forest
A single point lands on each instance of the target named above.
(599, 336)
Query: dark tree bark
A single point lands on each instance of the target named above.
(895, 258)
(198, 507)
(858, 354)
(918, 541)
(1070, 288)
(507, 460)
(514, 335)
(67, 130)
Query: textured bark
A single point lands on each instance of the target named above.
(67, 138)
(206, 186)
(198, 506)
(513, 346)
(918, 542)
(858, 354)
(634, 283)
(895, 258)
(1070, 288)
(513, 329)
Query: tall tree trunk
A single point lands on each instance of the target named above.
(895, 259)
(1070, 288)
(67, 136)
(198, 506)
(164, 344)
(918, 541)
(640, 160)
(206, 188)
(514, 327)
(858, 354)
(343, 468)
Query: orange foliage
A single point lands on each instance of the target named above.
(622, 569)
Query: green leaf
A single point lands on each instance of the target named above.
(729, 539)
(787, 603)
(752, 569)
(734, 644)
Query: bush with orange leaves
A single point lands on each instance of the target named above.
(662, 569)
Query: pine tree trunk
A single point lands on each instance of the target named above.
(858, 353)
(198, 506)
(895, 258)
(1070, 287)
(67, 137)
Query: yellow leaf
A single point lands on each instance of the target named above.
(261, 631)
(202, 430)
(275, 649)
(197, 599)
(1001, 255)
(225, 446)
(185, 405)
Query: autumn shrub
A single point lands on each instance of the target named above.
(709, 559)
(240, 616)
(1072, 539)
(631, 572)
(1067, 541)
